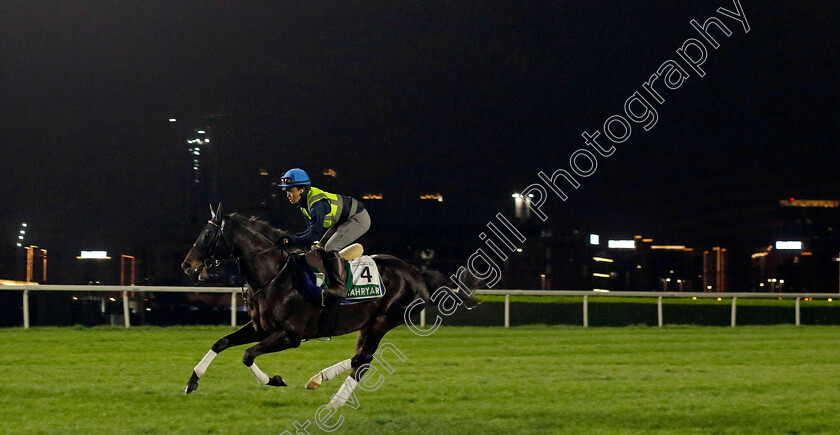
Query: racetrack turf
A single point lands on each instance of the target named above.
(459, 380)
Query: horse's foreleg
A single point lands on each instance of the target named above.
(243, 335)
(274, 342)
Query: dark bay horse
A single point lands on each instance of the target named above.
(282, 317)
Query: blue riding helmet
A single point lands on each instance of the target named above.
(295, 177)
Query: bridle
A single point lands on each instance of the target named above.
(214, 257)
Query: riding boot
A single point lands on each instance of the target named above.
(335, 272)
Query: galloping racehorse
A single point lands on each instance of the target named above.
(281, 315)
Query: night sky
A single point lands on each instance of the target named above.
(471, 99)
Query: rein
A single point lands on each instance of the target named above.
(247, 296)
(214, 261)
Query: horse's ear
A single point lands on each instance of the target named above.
(212, 212)
(217, 217)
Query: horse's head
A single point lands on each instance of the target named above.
(210, 248)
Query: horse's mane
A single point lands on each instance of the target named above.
(261, 227)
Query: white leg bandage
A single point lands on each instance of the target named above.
(345, 395)
(262, 378)
(201, 368)
(335, 370)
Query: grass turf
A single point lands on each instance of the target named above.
(460, 380)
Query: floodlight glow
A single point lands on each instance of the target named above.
(172, 119)
(621, 244)
(94, 255)
(594, 239)
(200, 131)
(23, 224)
(788, 245)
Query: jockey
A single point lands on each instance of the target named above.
(334, 222)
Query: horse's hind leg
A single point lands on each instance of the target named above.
(334, 370)
(243, 335)
(369, 339)
(274, 342)
(327, 374)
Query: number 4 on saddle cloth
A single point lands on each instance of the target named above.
(363, 281)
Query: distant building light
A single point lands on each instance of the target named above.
(206, 140)
(647, 240)
(19, 244)
(825, 203)
(200, 132)
(518, 249)
(669, 247)
(759, 254)
(516, 195)
(172, 119)
(603, 260)
(94, 255)
(20, 237)
(788, 245)
(372, 196)
(667, 279)
(435, 196)
(330, 172)
(23, 224)
(601, 275)
(22, 232)
(594, 239)
(621, 244)
(264, 172)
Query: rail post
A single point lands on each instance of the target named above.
(585, 311)
(797, 311)
(732, 322)
(423, 318)
(26, 309)
(233, 309)
(507, 311)
(659, 311)
(125, 309)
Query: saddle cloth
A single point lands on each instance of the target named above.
(363, 280)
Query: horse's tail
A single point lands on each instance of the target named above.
(435, 280)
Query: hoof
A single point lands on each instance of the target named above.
(314, 382)
(192, 385)
(276, 381)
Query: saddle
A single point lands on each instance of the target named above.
(309, 266)
(349, 253)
